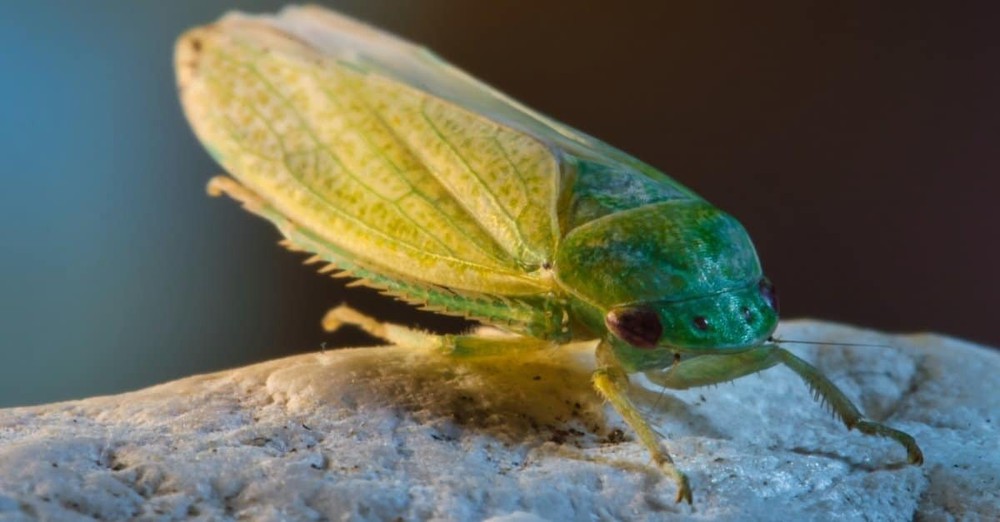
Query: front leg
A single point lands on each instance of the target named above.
(712, 369)
(611, 381)
(843, 408)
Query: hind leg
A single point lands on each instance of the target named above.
(452, 345)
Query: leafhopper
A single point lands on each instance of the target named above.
(398, 169)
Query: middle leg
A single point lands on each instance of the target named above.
(611, 381)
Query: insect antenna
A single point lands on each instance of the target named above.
(663, 389)
(659, 398)
(825, 343)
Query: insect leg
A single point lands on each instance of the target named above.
(712, 369)
(488, 346)
(453, 345)
(844, 409)
(611, 381)
(393, 333)
(220, 185)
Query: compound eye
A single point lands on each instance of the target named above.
(768, 293)
(701, 323)
(635, 325)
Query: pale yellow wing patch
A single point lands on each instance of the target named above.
(397, 178)
(507, 180)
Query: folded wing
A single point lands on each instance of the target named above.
(405, 181)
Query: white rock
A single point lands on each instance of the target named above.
(381, 433)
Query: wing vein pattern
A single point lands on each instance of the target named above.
(399, 178)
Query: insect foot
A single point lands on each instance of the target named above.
(913, 454)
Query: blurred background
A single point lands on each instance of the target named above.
(856, 141)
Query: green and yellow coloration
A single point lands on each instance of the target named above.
(400, 170)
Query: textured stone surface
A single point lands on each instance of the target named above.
(379, 433)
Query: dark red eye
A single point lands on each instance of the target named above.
(637, 326)
(768, 293)
(700, 323)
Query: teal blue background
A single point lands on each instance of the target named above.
(857, 143)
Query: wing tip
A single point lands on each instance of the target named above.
(188, 52)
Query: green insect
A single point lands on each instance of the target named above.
(398, 169)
